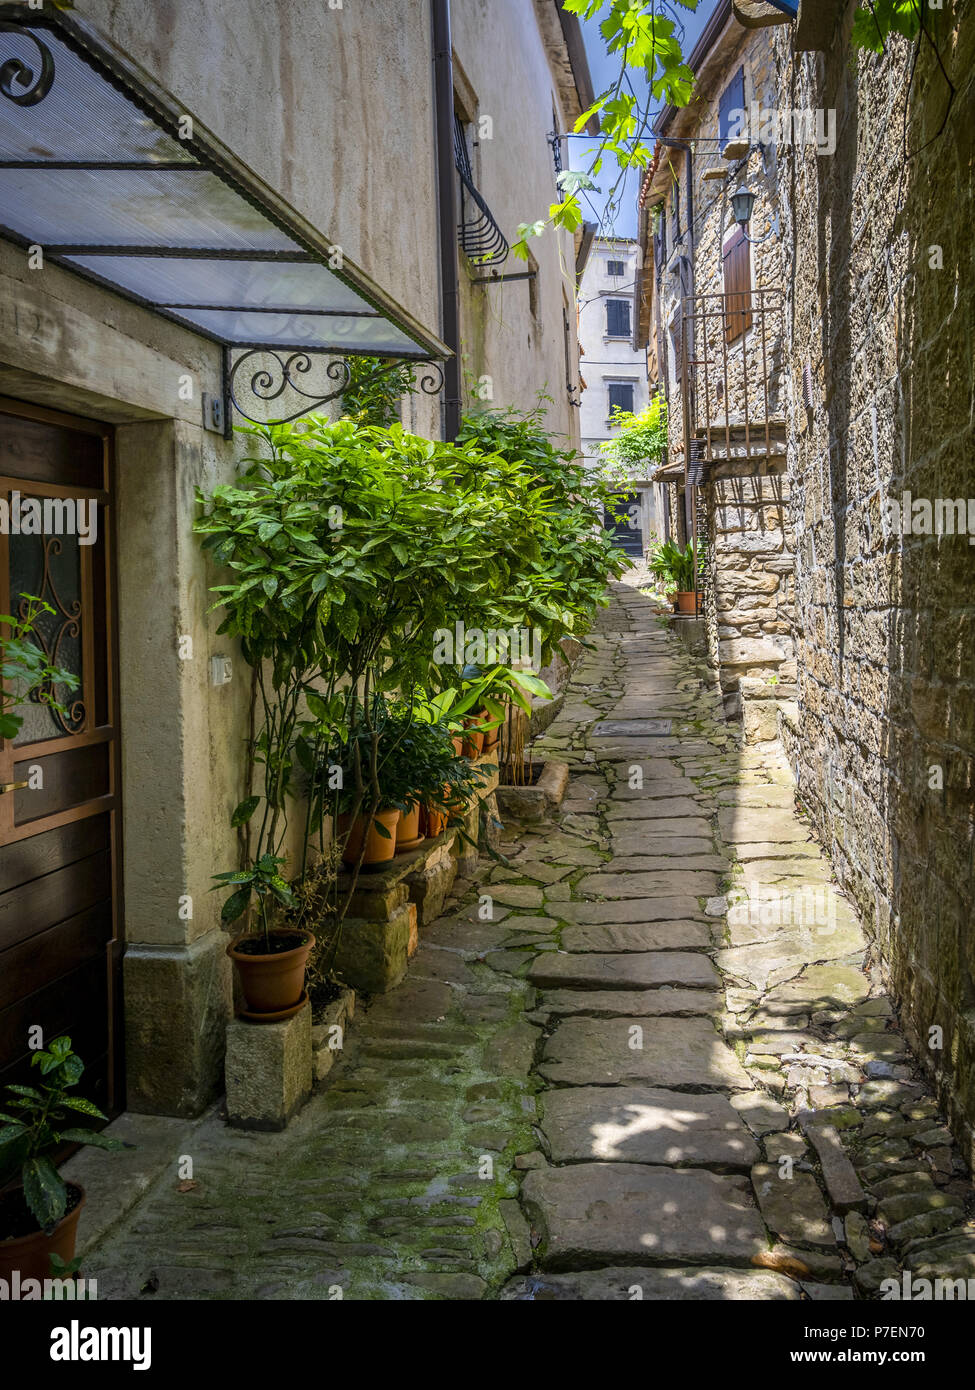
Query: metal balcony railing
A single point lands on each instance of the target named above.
(733, 382)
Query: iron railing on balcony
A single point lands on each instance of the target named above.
(733, 385)
(479, 234)
(733, 388)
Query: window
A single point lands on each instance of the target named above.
(660, 237)
(737, 259)
(616, 268)
(677, 347)
(617, 318)
(620, 397)
(732, 99)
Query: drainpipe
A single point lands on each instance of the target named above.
(690, 511)
(447, 200)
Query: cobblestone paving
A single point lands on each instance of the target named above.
(646, 1057)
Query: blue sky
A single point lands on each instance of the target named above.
(604, 70)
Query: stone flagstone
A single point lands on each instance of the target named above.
(667, 883)
(612, 1213)
(630, 970)
(637, 936)
(629, 910)
(614, 1003)
(675, 1052)
(638, 1124)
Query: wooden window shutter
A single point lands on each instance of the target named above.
(732, 99)
(617, 318)
(737, 287)
(620, 397)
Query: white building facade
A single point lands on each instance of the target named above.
(614, 373)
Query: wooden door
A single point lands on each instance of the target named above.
(60, 908)
(622, 520)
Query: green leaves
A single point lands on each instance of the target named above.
(25, 670)
(643, 36)
(235, 906)
(93, 1139)
(640, 441)
(28, 1141)
(45, 1192)
(873, 23)
(244, 811)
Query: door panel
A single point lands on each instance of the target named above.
(619, 521)
(60, 907)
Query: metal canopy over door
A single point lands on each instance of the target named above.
(60, 909)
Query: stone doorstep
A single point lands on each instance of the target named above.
(338, 1014)
(115, 1182)
(536, 803)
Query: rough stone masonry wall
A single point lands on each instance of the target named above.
(886, 623)
(752, 568)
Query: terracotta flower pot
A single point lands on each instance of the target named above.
(493, 736)
(408, 830)
(380, 848)
(473, 741)
(272, 983)
(30, 1254)
(686, 601)
(435, 822)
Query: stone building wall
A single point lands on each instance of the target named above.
(884, 308)
(335, 112)
(752, 563)
(743, 386)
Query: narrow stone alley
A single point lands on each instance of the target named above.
(648, 1057)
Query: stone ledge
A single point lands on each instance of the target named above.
(338, 1014)
(269, 1071)
(536, 803)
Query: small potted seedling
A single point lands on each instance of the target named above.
(271, 961)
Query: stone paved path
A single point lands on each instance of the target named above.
(642, 1059)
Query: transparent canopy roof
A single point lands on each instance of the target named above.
(94, 170)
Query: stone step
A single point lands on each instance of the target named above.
(644, 885)
(638, 936)
(677, 1053)
(627, 861)
(636, 970)
(687, 1285)
(640, 1124)
(598, 914)
(647, 1003)
(591, 1214)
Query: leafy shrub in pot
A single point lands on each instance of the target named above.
(39, 1218)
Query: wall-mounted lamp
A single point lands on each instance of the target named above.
(742, 203)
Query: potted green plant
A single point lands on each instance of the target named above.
(676, 568)
(39, 1217)
(441, 781)
(271, 961)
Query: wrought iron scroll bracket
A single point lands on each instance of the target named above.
(262, 375)
(19, 83)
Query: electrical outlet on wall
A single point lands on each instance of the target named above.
(221, 670)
